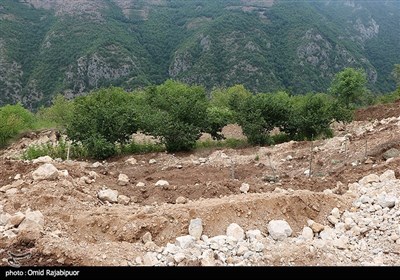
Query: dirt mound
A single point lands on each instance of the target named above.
(378, 112)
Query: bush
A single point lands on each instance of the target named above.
(55, 151)
(102, 119)
(59, 114)
(13, 120)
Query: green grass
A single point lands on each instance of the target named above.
(55, 151)
(141, 148)
(227, 143)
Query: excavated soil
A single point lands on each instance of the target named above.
(80, 229)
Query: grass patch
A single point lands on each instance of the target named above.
(227, 143)
(141, 148)
(55, 151)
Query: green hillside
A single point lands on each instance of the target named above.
(47, 47)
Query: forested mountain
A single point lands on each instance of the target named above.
(52, 46)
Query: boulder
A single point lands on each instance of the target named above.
(123, 180)
(124, 200)
(279, 229)
(388, 175)
(244, 188)
(391, 153)
(196, 228)
(371, 178)
(44, 159)
(162, 183)
(16, 219)
(180, 200)
(45, 172)
(185, 241)
(235, 231)
(108, 195)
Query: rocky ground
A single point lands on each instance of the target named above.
(254, 206)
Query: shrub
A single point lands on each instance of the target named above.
(59, 114)
(13, 120)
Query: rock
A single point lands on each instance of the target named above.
(196, 228)
(327, 234)
(162, 183)
(179, 257)
(244, 188)
(171, 249)
(328, 191)
(63, 173)
(307, 172)
(391, 153)
(124, 200)
(131, 161)
(31, 226)
(11, 191)
(202, 160)
(307, 233)
(388, 175)
(17, 177)
(279, 229)
(151, 246)
(96, 164)
(180, 200)
(4, 218)
(371, 178)
(93, 175)
(45, 159)
(385, 200)
(235, 231)
(150, 259)
(335, 213)
(253, 235)
(317, 227)
(108, 195)
(207, 258)
(152, 161)
(45, 172)
(123, 180)
(147, 237)
(289, 158)
(16, 219)
(333, 220)
(341, 243)
(140, 185)
(368, 161)
(185, 242)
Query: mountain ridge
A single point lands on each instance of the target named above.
(52, 46)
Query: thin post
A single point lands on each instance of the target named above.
(311, 155)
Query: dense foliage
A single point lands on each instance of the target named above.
(297, 46)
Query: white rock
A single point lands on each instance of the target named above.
(17, 177)
(202, 160)
(152, 161)
(332, 220)
(108, 195)
(44, 159)
(307, 172)
(162, 183)
(253, 235)
(244, 188)
(307, 233)
(16, 219)
(11, 191)
(96, 164)
(45, 172)
(235, 231)
(140, 185)
(34, 220)
(185, 241)
(131, 161)
(335, 213)
(289, 158)
(4, 218)
(124, 200)
(123, 180)
(371, 178)
(93, 175)
(180, 200)
(328, 191)
(150, 259)
(196, 228)
(179, 257)
(385, 200)
(63, 173)
(388, 175)
(207, 258)
(258, 247)
(171, 249)
(279, 229)
(341, 243)
(327, 234)
(147, 237)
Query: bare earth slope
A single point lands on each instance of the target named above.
(342, 214)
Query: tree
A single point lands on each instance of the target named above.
(60, 113)
(102, 119)
(349, 86)
(176, 113)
